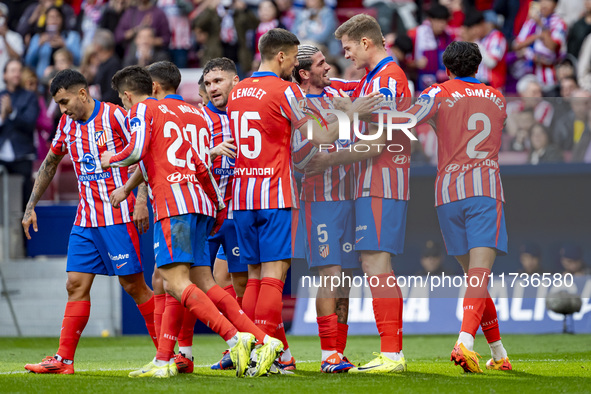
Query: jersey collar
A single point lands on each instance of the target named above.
(259, 74)
(95, 111)
(316, 95)
(174, 96)
(468, 79)
(213, 109)
(378, 66)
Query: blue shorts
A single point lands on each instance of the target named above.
(380, 224)
(471, 223)
(221, 254)
(263, 235)
(109, 250)
(330, 233)
(298, 241)
(182, 239)
(226, 238)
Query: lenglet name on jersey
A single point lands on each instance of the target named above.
(248, 92)
(253, 171)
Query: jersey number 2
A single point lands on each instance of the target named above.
(478, 138)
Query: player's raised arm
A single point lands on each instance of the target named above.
(138, 144)
(44, 176)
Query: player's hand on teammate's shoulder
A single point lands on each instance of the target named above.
(118, 196)
(29, 218)
(106, 159)
(226, 148)
(317, 165)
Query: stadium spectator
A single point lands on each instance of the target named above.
(530, 91)
(33, 20)
(514, 13)
(567, 86)
(430, 40)
(11, 43)
(457, 15)
(530, 256)
(394, 15)
(223, 30)
(492, 44)
(570, 11)
(110, 19)
(317, 23)
(572, 131)
(584, 67)
(104, 47)
(134, 19)
(516, 137)
(89, 18)
(177, 12)
(144, 50)
(566, 68)
(62, 59)
(54, 36)
(268, 14)
(287, 13)
(579, 31)
(431, 259)
(542, 149)
(542, 41)
(571, 259)
(19, 110)
(44, 126)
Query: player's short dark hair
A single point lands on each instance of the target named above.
(134, 79)
(404, 43)
(473, 18)
(438, 11)
(275, 41)
(67, 79)
(305, 53)
(360, 26)
(220, 64)
(166, 73)
(462, 58)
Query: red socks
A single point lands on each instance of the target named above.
(230, 308)
(269, 305)
(475, 299)
(204, 309)
(75, 319)
(172, 320)
(342, 330)
(387, 309)
(251, 295)
(230, 290)
(490, 322)
(280, 333)
(159, 302)
(147, 311)
(328, 332)
(186, 334)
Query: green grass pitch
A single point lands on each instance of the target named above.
(543, 363)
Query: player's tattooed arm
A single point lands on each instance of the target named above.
(141, 216)
(44, 176)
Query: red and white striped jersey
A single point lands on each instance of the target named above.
(86, 142)
(160, 136)
(469, 125)
(545, 59)
(338, 84)
(336, 183)
(385, 175)
(543, 111)
(260, 114)
(494, 47)
(222, 166)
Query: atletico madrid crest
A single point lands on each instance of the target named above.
(100, 137)
(323, 250)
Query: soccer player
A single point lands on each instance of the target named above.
(264, 188)
(219, 77)
(468, 191)
(381, 173)
(103, 240)
(185, 200)
(327, 212)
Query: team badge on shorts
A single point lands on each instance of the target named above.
(323, 250)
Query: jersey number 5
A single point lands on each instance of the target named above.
(478, 138)
(242, 132)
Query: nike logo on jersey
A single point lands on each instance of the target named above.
(120, 265)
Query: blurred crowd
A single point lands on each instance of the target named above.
(536, 52)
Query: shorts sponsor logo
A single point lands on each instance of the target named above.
(236, 251)
(94, 177)
(118, 257)
(452, 167)
(323, 250)
(347, 247)
(156, 244)
(360, 228)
